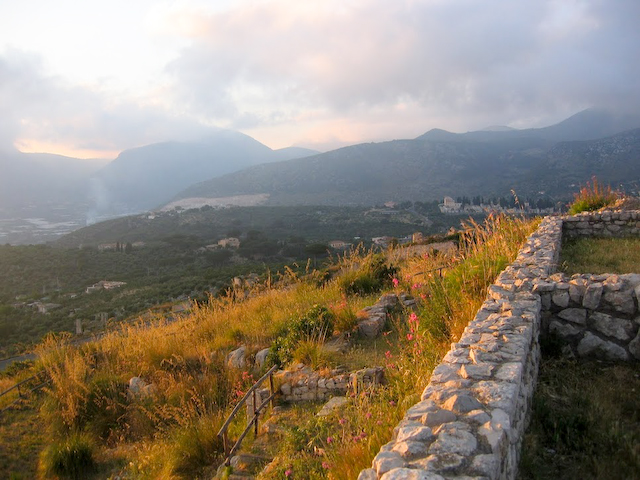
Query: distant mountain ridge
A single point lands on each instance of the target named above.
(441, 163)
(145, 177)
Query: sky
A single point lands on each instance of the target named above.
(91, 78)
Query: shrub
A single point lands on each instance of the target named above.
(592, 197)
(71, 457)
(105, 405)
(194, 447)
(314, 325)
(313, 354)
(372, 276)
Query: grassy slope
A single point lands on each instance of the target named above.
(171, 435)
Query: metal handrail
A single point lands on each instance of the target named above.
(228, 452)
(17, 386)
(439, 270)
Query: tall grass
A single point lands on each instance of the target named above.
(171, 429)
(448, 303)
(592, 197)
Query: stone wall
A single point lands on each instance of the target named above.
(593, 315)
(602, 224)
(303, 384)
(474, 411)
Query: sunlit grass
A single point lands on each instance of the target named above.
(185, 360)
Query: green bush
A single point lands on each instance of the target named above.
(194, 447)
(316, 324)
(106, 406)
(372, 276)
(71, 457)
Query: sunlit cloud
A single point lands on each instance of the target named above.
(319, 72)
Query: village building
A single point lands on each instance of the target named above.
(230, 242)
(449, 205)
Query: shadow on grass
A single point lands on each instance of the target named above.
(585, 421)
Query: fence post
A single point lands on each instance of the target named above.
(225, 443)
(271, 390)
(255, 413)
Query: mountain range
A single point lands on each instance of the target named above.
(544, 161)
(491, 162)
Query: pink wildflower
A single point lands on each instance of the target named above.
(395, 281)
(329, 439)
(367, 415)
(342, 421)
(326, 465)
(288, 472)
(413, 317)
(409, 336)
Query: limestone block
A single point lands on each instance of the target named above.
(621, 301)
(510, 372)
(440, 462)
(454, 438)
(410, 474)
(461, 403)
(564, 330)
(592, 296)
(486, 465)
(591, 345)
(611, 326)
(561, 298)
(368, 474)
(415, 434)
(478, 416)
(419, 409)
(574, 315)
(372, 326)
(438, 417)
(385, 461)
(501, 395)
(261, 357)
(476, 371)
(576, 291)
(444, 373)
(410, 449)
(236, 359)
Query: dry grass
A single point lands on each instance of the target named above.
(193, 387)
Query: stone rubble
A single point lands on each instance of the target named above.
(473, 413)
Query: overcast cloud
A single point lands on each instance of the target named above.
(325, 73)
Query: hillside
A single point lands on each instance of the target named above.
(143, 178)
(441, 163)
(31, 182)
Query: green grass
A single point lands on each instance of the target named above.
(585, 422)
(601, 255)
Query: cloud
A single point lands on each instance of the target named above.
(462, 60)
(331, 72)
(38, 109)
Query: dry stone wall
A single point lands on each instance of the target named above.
(474, 411)
(303, 384)
(593, 315)
(602, 224)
